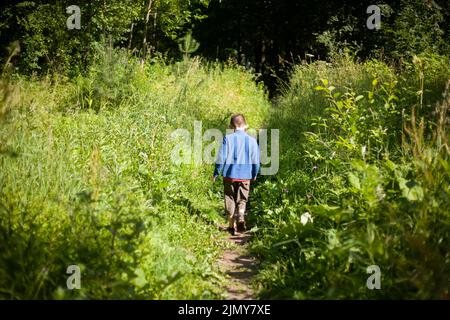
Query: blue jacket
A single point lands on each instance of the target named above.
(238, 156)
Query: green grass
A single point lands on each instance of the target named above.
(365, 153)
(86, 178)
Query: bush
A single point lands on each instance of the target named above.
(372, 174)
(93, 183)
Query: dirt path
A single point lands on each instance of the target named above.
(240, 267)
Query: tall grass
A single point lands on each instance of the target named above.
(364, 151)
(86, 178)
(92, 182)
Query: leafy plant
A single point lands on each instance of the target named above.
(188, 45)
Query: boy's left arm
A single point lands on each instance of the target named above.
(255, 160)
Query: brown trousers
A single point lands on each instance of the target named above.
(236, 197)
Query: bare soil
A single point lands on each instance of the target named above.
(240, 268)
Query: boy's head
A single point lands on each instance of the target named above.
(238, 122)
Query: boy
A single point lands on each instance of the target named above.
(238, 162)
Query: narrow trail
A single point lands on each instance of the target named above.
(240, 267)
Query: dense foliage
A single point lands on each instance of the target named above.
(87, 179)
(365, 154)
(266, 36)
(86, 118)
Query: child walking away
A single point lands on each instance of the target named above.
(238, 162)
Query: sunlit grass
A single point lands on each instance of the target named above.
(92, 182)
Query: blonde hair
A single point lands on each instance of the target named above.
(238, 121)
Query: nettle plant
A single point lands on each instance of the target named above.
(359, 125)
(355, 139)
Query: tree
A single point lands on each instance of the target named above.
(419, 27)
(188, 45)
(47, 44)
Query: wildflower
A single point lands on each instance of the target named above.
(305, 218)
(315, 168)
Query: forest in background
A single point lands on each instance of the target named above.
(85, 123)
(266, 36)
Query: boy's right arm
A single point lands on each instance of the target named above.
(221, 157)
